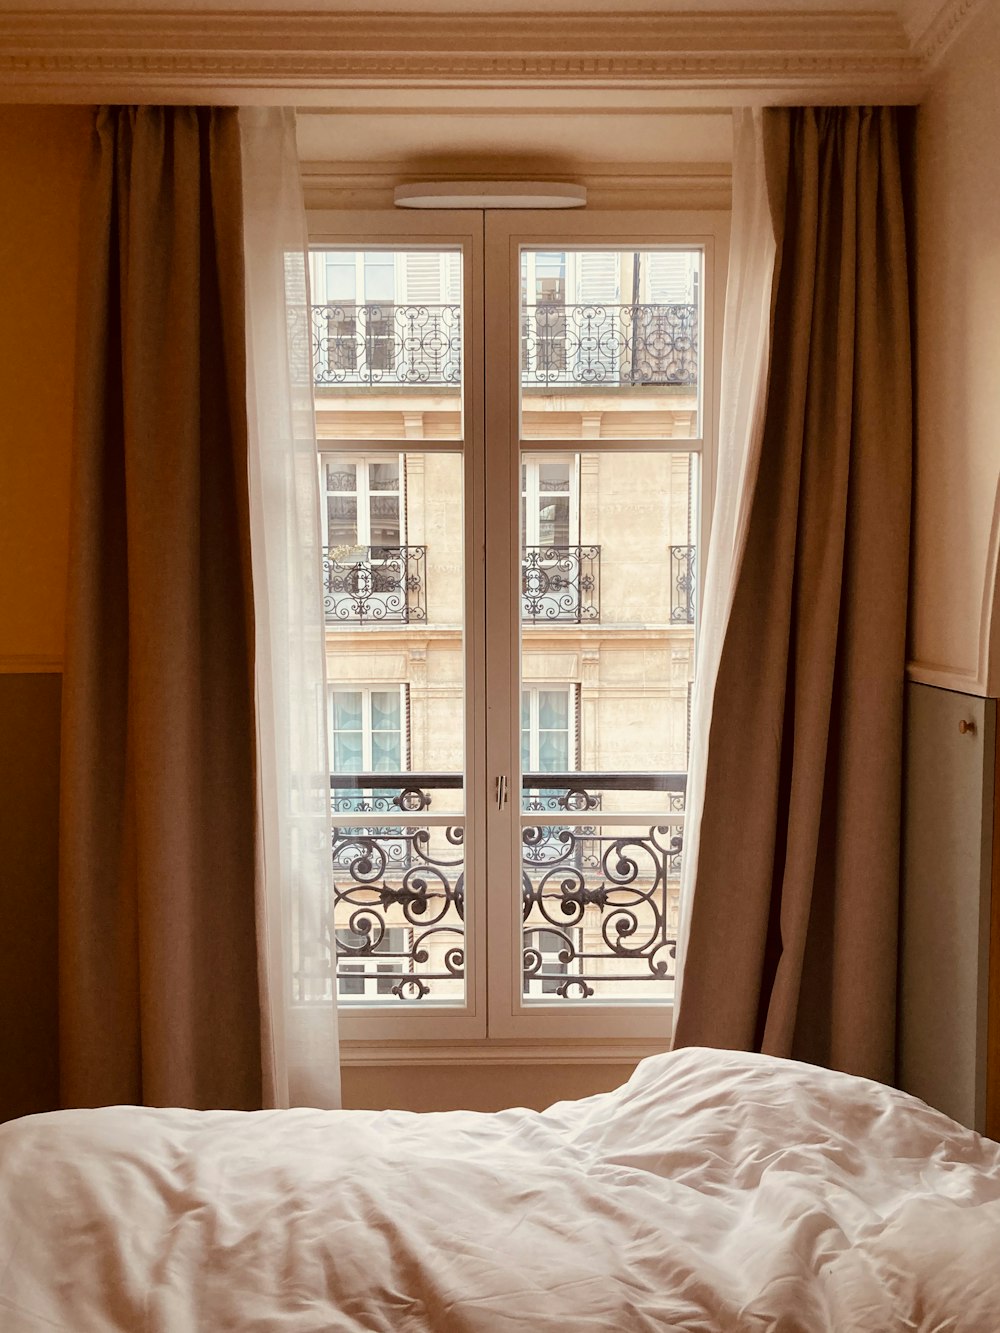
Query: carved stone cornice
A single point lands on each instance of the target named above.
(935, 24)
(273, 56)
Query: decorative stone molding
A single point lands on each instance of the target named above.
(933, 25)
(278, 57)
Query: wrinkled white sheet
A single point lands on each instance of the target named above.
(713, 1191)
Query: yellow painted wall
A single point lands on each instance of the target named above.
(957, 509)
(43, 152)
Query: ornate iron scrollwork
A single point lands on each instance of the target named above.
(374, 583)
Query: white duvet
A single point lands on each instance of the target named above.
(713, 1191)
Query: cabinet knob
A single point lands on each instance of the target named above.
(966, 728)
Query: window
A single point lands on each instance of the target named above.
(537, 460)
(366, 737)
(362, 501)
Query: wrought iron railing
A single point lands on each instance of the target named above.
(605, 892)
(594, 343)
(609, 344)
(383, 584)
(682, 584)
(560, 584)
(385, 344)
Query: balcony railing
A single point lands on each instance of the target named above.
(609, 345)
(399, 886)
(388, 585)
(682, 584)
(560, 584)
(588, 344)
(387, 344)
(374, 584)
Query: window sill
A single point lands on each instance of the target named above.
(487, 1052)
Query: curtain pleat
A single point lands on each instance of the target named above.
(792, 934)
(158, 967)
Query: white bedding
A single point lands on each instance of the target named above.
(713, 1191)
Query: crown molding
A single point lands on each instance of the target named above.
(932, 26)
(230, 57)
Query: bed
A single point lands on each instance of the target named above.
(713, 1191)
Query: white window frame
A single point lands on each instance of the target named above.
(375, 1032)
(496, 1025)
(366, 691)
(532, 689)
(531, 497)
(511, 1018)
(362, 462)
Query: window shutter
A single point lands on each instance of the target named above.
(424, 278)
(670, 278)
(597, 277)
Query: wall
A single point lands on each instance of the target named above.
(42, 156)
(944, 945)
(957, 499)
(948, 1053)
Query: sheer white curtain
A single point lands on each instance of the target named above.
(301, 1064)
(746, 347)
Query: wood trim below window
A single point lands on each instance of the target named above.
(993, 1018)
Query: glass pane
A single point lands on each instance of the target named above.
(610, 344)
(380, 284)
(347, 710)
(403, 888)
(609, 621)
(348, 752)
(342, 520)
(385, 710)
(384, 476)
(394, 620)
(387, 350)
(385, 752)
(553, 708)
(384, 520)
(553, 523)
(341, 278)
(553, 752)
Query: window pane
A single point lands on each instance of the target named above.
(387, 360)
(394, 620)
(342, 520)
(553, 752)
(384, 476)
(384, 520)
(610, 344)
(553, 708)
(348, 753)
(379, 276)
(347, 710)
(385, 752)
(615, 612)
(385, 710)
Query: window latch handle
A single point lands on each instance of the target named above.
(501, 787)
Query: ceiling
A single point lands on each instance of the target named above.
(561, 87)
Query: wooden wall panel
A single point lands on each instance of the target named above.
(29, 860)
(944, 939)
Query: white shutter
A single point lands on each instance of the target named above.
(597, 277)
(452, 287)
(671, 277)
(423, 278)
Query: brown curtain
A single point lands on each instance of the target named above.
(158, 968)
(793, 926)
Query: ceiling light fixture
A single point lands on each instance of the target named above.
(490, 194)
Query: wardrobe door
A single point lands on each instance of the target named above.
(946, 900)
